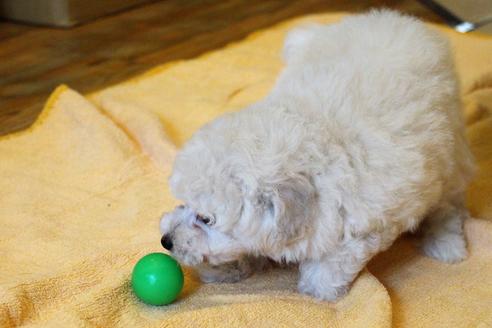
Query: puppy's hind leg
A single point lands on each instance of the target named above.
(442, 233)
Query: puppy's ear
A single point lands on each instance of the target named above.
(291, 204)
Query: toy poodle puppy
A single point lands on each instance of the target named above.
(360, 140)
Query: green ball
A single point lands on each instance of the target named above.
(157, 279)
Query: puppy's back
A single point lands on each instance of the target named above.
(376, 64)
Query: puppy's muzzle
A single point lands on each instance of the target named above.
(167, 242)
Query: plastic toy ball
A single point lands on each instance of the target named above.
(157, 279)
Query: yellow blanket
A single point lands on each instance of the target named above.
(81, 193)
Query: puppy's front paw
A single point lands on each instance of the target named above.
(322, 291)
(325, 280)
(227, 272)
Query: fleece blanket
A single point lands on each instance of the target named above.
(82, 191)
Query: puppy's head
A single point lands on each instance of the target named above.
(233, 204)
(192, 238)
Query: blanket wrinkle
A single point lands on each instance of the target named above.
(82, 191)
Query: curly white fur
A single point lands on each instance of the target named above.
(360, 140)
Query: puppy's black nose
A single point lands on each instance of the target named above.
(166, 242)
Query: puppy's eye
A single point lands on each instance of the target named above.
(204, 219)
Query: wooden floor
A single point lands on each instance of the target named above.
(34, 60)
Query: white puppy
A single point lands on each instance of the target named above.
(360, 140)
